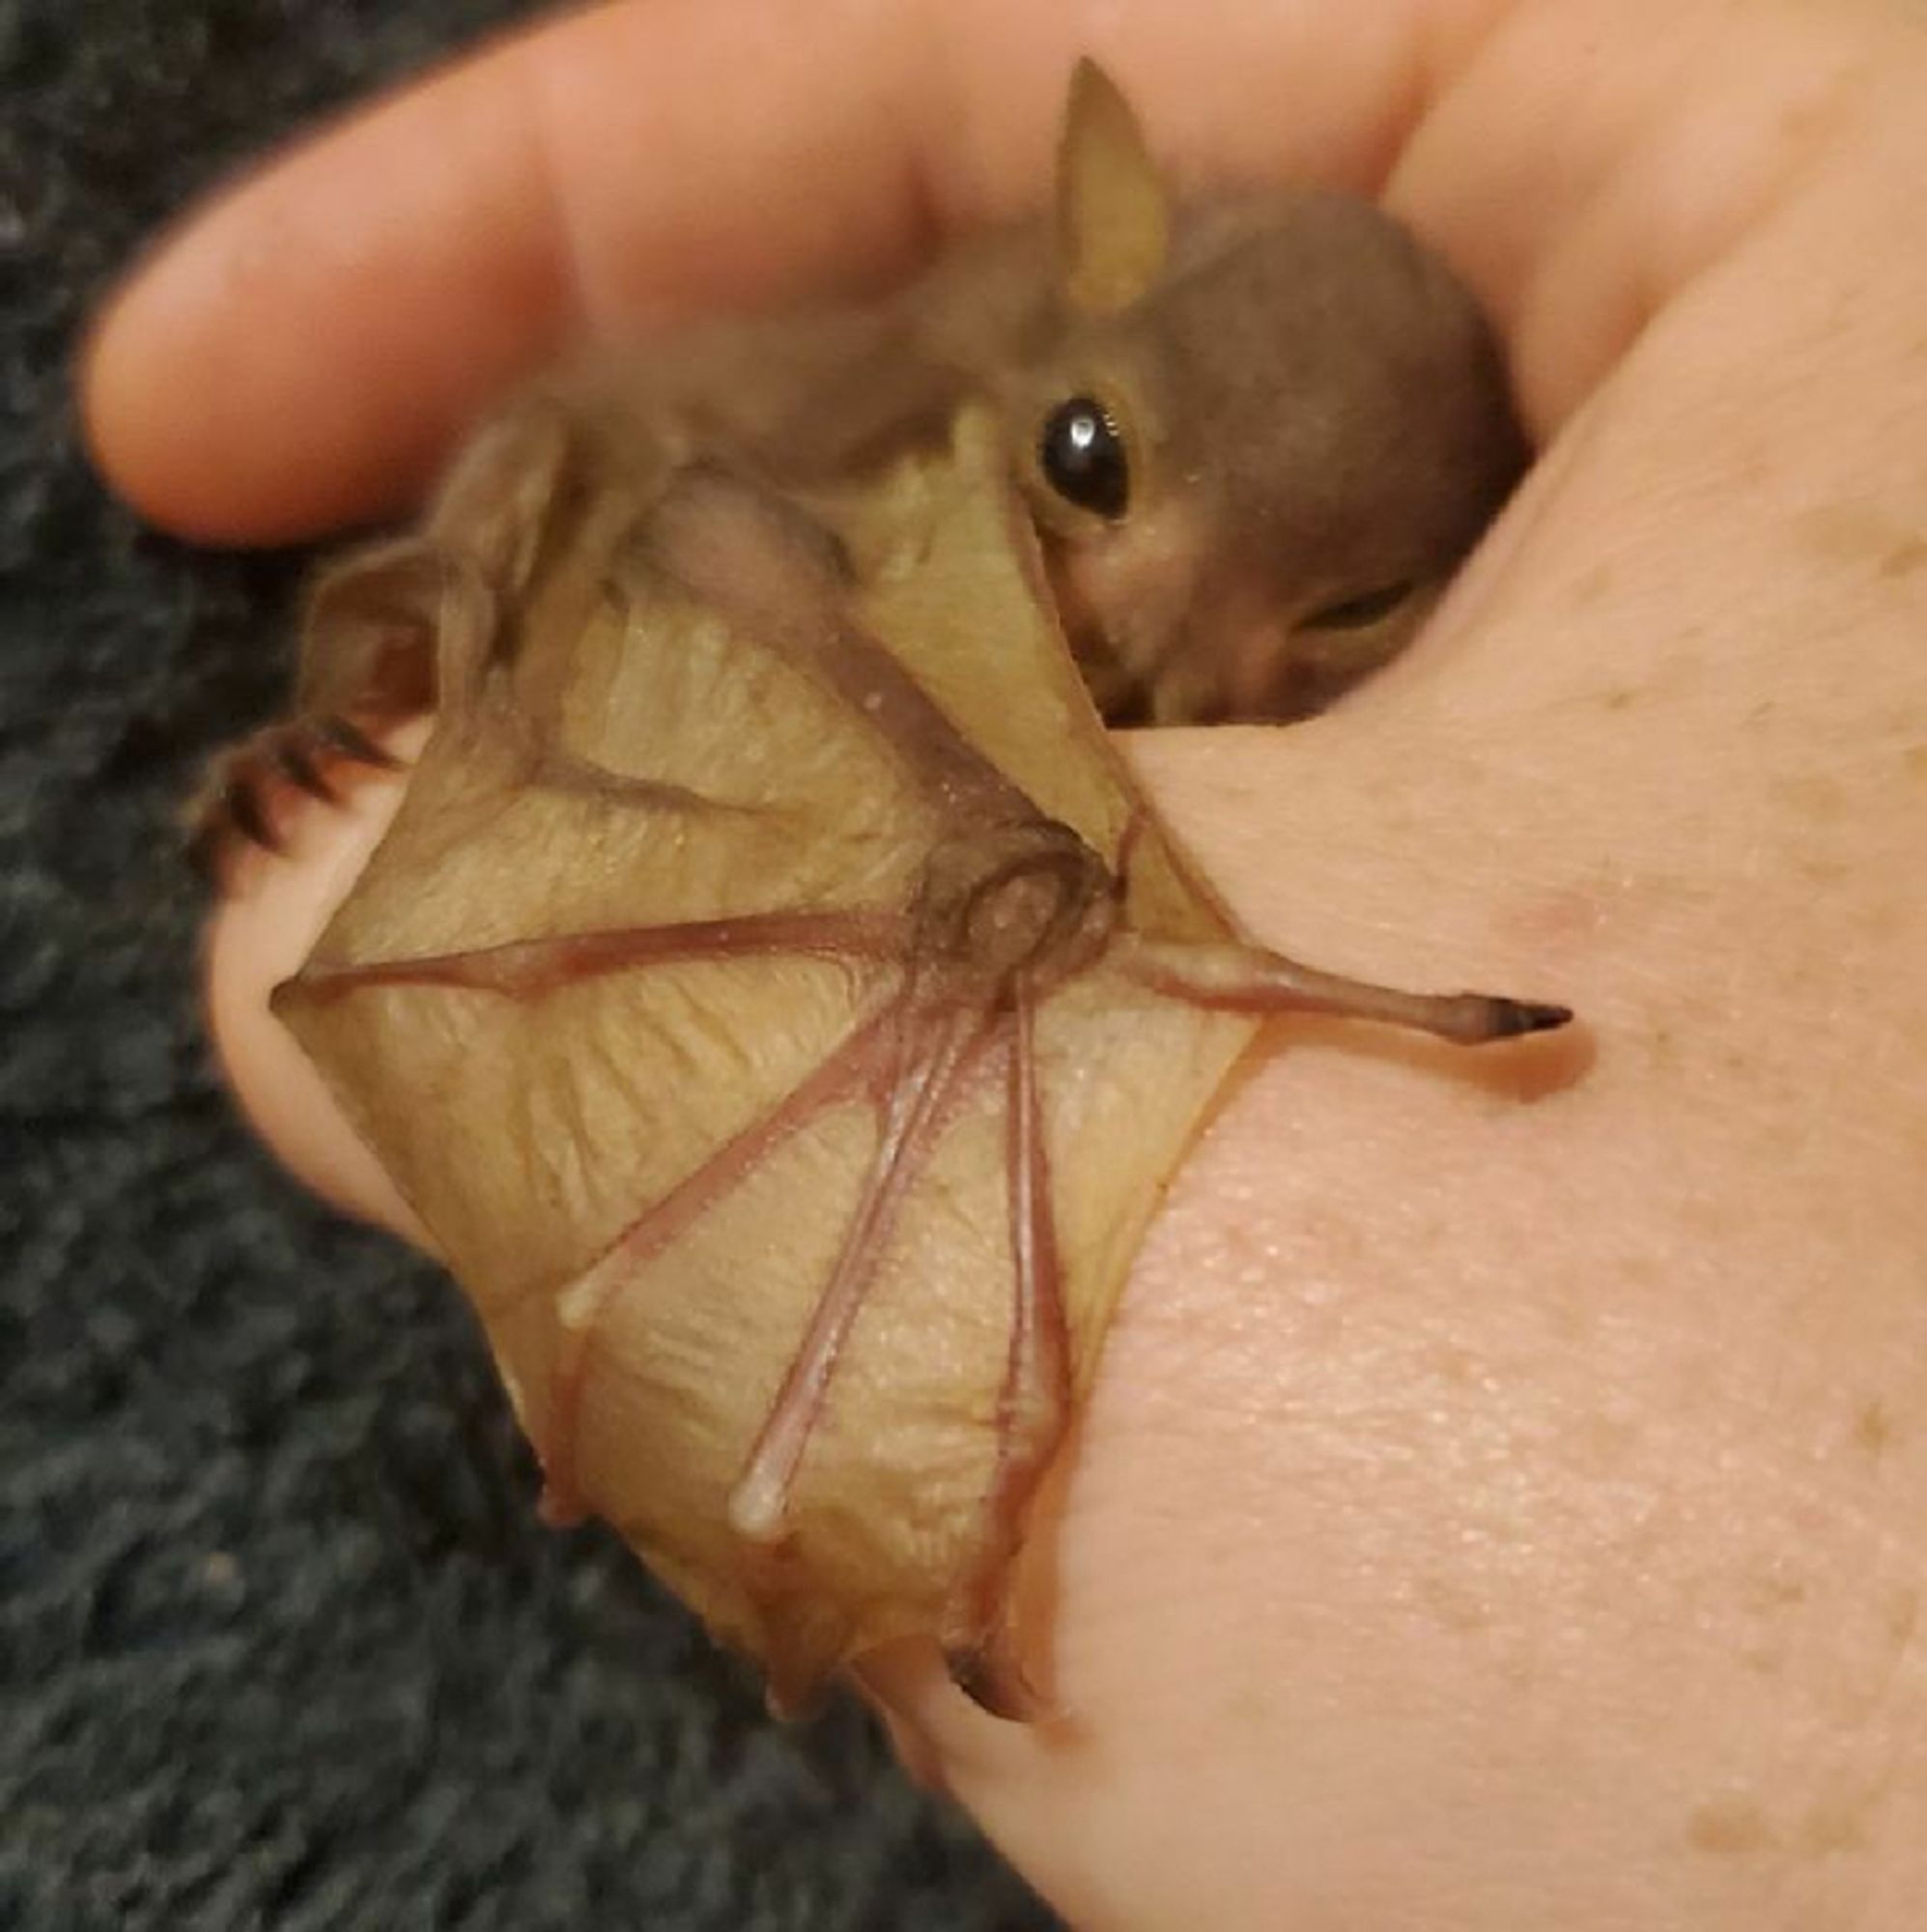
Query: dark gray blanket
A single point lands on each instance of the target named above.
(280, 1640)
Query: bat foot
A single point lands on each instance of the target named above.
(247, 790)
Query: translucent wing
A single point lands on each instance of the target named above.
(624, 998)
(784, 1013)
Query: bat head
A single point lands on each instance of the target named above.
(1258, 437)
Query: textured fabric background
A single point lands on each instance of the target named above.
(281, 1643)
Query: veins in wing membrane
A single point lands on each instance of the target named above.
(846, 1072)
(981, 1647)
(524, 968)
(931, 1051)
(906, 1058)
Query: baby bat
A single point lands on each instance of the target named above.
(772, 994)
(1256, 434)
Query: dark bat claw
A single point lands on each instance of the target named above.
(342, 735)
(241, 800)
(992, 1683)
(1514, 1017)
(295, 762)
(241, 796)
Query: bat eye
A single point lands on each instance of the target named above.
(1081, 455)
(1353, 614)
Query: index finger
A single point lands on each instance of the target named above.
(303, 352)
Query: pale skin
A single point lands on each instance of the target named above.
(1504, 1503)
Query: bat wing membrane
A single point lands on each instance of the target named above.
(641, 1093)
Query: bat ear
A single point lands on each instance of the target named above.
(1113, 211)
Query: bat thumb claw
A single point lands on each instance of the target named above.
(994, 1682)
(1509, 1018)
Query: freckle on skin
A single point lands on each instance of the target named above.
(1903, 1617)
(1454, 1606)
(1250, 1707)
(1812, 796)
(1914, 762)
(1728, 1826)
(1888, 919)
(1593, 586)
(1607, 1445)
(1705, 1219)
(1801, 121)
(1837, 1821)
(1850, 533)
(1873, 1429)
(1779, 1593)
(1905, 557)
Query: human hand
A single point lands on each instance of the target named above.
(1493, 1511)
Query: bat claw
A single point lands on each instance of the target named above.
(994, 1681)
(247, 815)
(1513, 1017)
(229, 807)
(243, 796)
(347, 738)
(295, 762)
